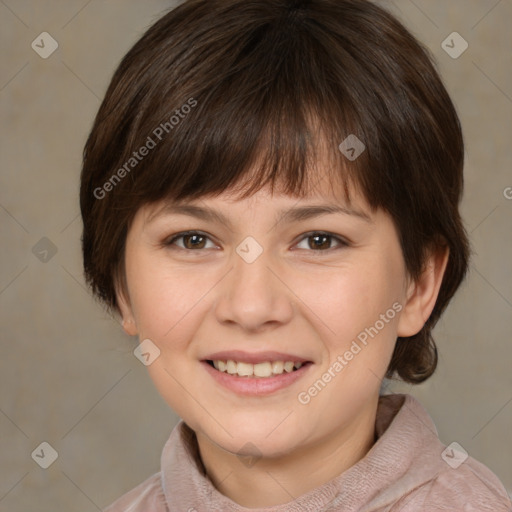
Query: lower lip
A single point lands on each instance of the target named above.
(256, 385)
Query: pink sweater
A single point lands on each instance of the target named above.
(408, 469)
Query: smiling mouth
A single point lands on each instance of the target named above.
(259, 370)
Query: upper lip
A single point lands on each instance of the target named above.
(254, 357)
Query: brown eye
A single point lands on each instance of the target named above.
(191, 241)
(322, 242)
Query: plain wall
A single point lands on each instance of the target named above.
(68, 375)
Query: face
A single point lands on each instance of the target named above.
(275, 317)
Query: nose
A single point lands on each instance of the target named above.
(254, 294)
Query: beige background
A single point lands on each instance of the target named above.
(67, 372)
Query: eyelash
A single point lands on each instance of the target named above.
(342, 242)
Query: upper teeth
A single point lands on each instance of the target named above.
(265, 369)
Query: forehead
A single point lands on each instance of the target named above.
(318, 198)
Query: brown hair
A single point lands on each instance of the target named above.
(216, 86)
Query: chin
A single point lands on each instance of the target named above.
(250, 437)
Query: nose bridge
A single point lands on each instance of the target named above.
(252, 262)
(252, 295)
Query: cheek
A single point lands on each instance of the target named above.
(358, 297)
(363, 310)
(164, 298)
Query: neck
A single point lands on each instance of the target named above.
(272, 481)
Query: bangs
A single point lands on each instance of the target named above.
(272, 112)
(247, 147)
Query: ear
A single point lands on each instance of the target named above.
(422, 293)
(128, 320)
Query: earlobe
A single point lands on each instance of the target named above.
(128, 321)
(129, 327)
(422, 294)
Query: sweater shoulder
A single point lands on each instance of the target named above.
(471, 487)
(148, 495)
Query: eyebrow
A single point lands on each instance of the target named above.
(296, 214)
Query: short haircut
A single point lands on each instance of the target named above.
(217, 88)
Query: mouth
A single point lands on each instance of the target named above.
(261, 370)
(251, 374)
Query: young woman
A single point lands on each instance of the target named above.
(270, 199)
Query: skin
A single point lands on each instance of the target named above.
(299, 297)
